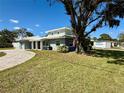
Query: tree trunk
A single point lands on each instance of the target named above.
(82, 45)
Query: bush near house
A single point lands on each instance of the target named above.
(6, 45)
(63, 49)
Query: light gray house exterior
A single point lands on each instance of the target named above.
(53, 39)
(104, 44)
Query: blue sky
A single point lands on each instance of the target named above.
(38, 17)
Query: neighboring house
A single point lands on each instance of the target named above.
(53, 39)
(104, 44)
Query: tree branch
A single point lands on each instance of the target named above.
(94, 20)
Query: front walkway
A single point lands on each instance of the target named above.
(14, 57)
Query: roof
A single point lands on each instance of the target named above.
(37, 38)
(59, 29)
(34, 38)
(104, 41)
(57, 36)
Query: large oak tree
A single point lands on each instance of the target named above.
(91, 14)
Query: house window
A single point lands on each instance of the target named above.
(58, 32)
(58, 43)
(51, 33)
(45, 43)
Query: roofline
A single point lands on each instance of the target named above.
(103, 41)
(58, 29)
(57, 38)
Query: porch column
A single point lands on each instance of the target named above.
(41, 45)
(36, 44)
(32, 45)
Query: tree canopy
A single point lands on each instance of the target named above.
(21, 33)
(7, 36)
(87, 16)
(105, 37)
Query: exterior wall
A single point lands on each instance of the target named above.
(60, 32)
(102, 44)
(53, 43)
(23, 45)
(52, 34)
(108, 44)
(16, 45)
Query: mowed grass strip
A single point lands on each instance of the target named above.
(7, 48)
(52, 72)
(2, 54)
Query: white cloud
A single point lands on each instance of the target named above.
(37, 25)
(29, 29)
(14, 21)
(16, 28)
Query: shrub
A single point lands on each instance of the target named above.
(63, 49)
(6, 45)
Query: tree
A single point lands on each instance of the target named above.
(21, 33)
(121, 37)
(105, 37)
(6, 38)
(91, 13)
(29, 34)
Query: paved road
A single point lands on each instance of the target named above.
(14, 57)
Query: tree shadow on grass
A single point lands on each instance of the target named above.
(116, 61)
(118, 56)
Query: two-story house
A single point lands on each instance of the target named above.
(53, 39)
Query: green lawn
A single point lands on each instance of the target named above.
(2, 54)
(52, 72)
(6, 48)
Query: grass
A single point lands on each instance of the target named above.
(52, 72)
(2, 54)
(6, 48)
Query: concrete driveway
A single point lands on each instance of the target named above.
(14, 57)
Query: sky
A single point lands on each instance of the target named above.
(38, 17)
